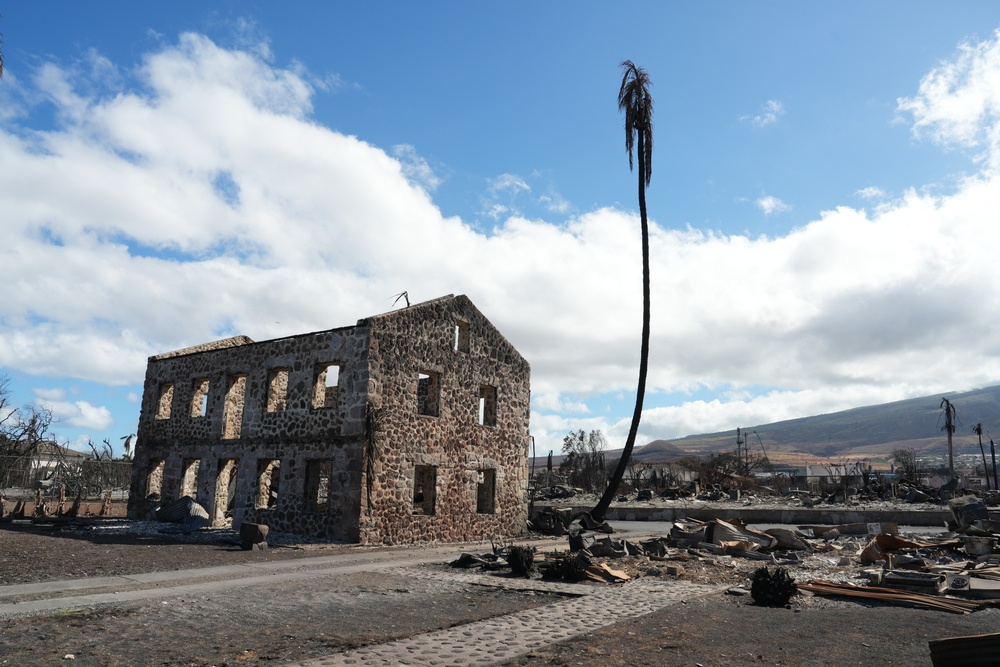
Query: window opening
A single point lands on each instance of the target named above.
(225, 490)
(487, 405)
(428, 393)
(154, 478)
(461, 336)
(189, 478)
(267, 483)
(327, 379)
(165, 400)
(233, 412)
(318, 476)
(199, 400)
(424, 489)
(486, 492)
(277, 390)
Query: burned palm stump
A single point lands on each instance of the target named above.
(772, 589)
(522, 562)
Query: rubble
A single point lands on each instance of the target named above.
(253, 536)
(967, 510)
(184, 511)
(556, 491)
(955, 570)
(893, 595)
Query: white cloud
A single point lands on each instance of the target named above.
(556, 402)
(416, 168)
(79, 414)
(554, 203)
(51, 394)
(496, 211)
(511, 195)
(502, 195)
(958, 102)
(871, 193)
(142, 253)
(81, 443)
(769, 114)
(771, 205)
(509, 183)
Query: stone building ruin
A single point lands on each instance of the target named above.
(411, 425)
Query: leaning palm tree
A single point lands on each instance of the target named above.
(634, 99)
(949, 428)
(978, 430)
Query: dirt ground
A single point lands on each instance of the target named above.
(298, 620)
(31, 553)
(723, 631)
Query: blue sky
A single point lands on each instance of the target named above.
(824, 177)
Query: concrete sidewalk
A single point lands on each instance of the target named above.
(147, 586)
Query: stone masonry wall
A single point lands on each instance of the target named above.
(256, 433)
(236, 426)
(459, 451)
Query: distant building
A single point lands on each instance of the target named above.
(828, 474)
(674, 474)
(39, 469)
(410, 425)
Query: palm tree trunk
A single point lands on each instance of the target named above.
(986, 471)
(951, 456)
(949, 427)
(993, 455)
(609, 493)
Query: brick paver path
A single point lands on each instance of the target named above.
(497, 639)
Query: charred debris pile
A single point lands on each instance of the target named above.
(956, 569)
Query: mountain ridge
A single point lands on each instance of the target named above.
(868, 432)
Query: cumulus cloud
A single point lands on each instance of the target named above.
(79, 414)
(195, 198)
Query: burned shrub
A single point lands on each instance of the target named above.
(574, 566)
(522, 561)
(772, 589)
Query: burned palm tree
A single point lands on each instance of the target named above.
(950, 417)
(637, 103)
(978, 430)
(993, 455)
